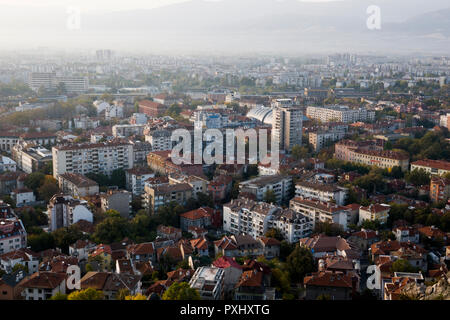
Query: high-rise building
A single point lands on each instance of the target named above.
(287, 127)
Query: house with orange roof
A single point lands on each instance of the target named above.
(232, 271)
(250, 286)
(200, 217)
(336, 285)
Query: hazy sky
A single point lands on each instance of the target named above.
(110, 5)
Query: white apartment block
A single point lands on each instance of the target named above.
(322, 212)
(209, 281)
(126, 130)
(287, 127)
(280, 185)
(322, 139)
(160, 140)
(244, 216)
(92, 157)
(321, 192)
(374, 212)
(340, 113)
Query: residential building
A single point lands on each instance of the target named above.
(379, 212)
(336, 285)
(439, 189)
(320, 139)
(118, 200)
(196, 218)
(152, 109)
(209, 282)
(23, 197)
(157, 196)
(160, 140)
(325, 212)
(13, 235)
(77, 185)
(92, 157)
(136, 177)
(126, 130)
(434, 167)
(111, 283)
(287, 127)
(31, 158)
(64, 210)
(322, 192)
(43, 285)
(232, 271)
(280, 185)
(340, 113)
(7, 164)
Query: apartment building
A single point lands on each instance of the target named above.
(118, 200)
(31, 158)
(136, 177)
(280, 185)
(244, 216)
(321, 139)
(160, 195)
(152, 109)
(434, 167)
(160, 140)
(323, 212)
(374, 212)
(209, 282)
(77, 185)
(64, 210)
(92, 157)
(126, 130)
(322, 192)
(439, 189)
(340, 113)
(287, 126)
(359, 152)
(50, 80)
(12, 235)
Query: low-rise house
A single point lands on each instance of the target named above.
(81, 249)
(200, 246)
(322, 245)
(364, 239)
(220, 187)
(226, 247)
(102, 256)
(43, 285)
(9, 289)
(58, 264)
(168, 232)
(336, 285)
(23, 256)
(232, 271)
(432, 233)
(200, 217)
(250, 286)
(271, 247)
(393, 288)
(23, 197)
(142, 252)
(111, 283)
(406, 234)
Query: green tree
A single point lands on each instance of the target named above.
(270, 197)
(299, 263)
(181, 291)
(59, 296)
(402, 265)
(123, 294)
(299, 152)
(87, 294)
(418, 177)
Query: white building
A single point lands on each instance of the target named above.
(63, 211)
(92, 157)
(374, 212)
(244, 216)
(323, 212)
(23, 197)
(160, 140)
(209, 281)
(280, 185)
(340, 113)
(125, 130)
(321, 192)
(322, 139)
(7, 164)
(287, 126)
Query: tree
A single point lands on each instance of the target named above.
(402, 265)
(59, 296)
(87, 294)
(123, 294)
(270, 197)
(299, 152)
(48, 188)
(181, 291)
(136, 297)
(274, 233)
(299, 263)
(111, 229)
(34, 180)
(418, 177)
